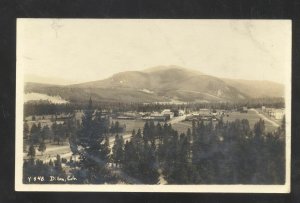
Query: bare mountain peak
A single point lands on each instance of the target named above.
(128, 73)
(169, 68)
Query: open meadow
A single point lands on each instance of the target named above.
(131, 124)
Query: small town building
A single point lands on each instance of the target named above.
(181, 113)
(279, 114)
(168, 113)
(244, 109)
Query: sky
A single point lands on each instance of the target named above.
(67, 51)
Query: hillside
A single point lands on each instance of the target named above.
(256, 88)
(161, 84)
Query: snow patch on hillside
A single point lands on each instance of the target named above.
(147, 91)
(219, 93)
(37, 96)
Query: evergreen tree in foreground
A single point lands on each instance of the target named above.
(140, 159)
(92, 146)
(118, 150)
(25, 130)
(31, 152)
(42, 147)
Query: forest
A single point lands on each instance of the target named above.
(222, 153)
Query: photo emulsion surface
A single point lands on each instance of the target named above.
(153, 105)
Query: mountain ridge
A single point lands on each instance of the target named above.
(163, 84)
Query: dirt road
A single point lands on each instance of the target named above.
(265, 118)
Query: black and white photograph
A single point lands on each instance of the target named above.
(153, 105)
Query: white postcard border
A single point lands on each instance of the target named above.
(19, 186)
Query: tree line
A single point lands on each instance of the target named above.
(48, 108)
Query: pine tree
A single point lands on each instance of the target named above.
(39, 127)
(181, 172)
(51, 163)
(189, 141)
(70, 127)
(45, 133)
(159, 132)
(148, 167)
(57, 165)
(281, 129)
(140, 160)
(118, 150)
(31, 152)
(35, 135)
(152, 132)
(117, 127)
(105, 149)
(42, 147)
(258, 148)
(146, 131)
(131, 159)
(171, 145)
(26, 130)
(73, 141)
(112, 128)
(58, 132)
(259, 128)
(93, 151)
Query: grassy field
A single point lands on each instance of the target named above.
(131, 124)
(182, 127)
(252, 118)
